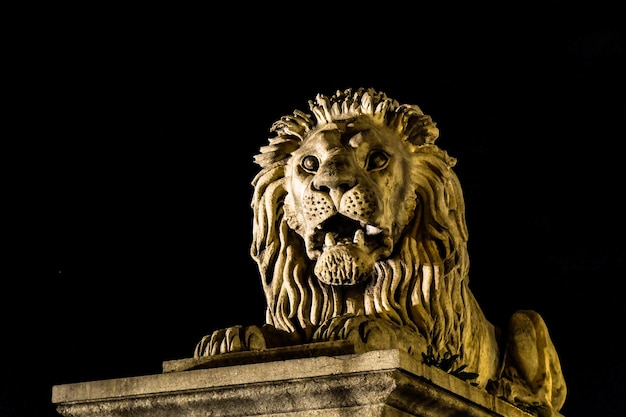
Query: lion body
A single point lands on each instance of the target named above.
(359, 229)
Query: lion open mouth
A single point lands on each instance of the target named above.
(347, 249)
(341, 230)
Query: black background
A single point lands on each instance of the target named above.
(129, 144)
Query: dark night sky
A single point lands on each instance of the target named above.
(130, 162)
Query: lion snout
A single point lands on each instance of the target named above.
(357, 203)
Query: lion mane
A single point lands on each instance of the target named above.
(409, 276)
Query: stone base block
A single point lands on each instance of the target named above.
(387, 383)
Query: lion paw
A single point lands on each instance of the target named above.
(231, 339)
(368, 334)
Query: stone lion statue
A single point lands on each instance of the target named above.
(359, 234)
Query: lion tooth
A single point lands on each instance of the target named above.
(372, 230)
(359, 237)
(329, 240)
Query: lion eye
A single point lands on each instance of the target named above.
(310, 163)
(377, 160)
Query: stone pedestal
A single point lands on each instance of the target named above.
(306, 381)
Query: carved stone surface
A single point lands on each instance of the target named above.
(360, 235)
(378, 383)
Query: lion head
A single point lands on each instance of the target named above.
(356, 210)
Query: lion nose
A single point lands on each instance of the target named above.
(334, 176)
